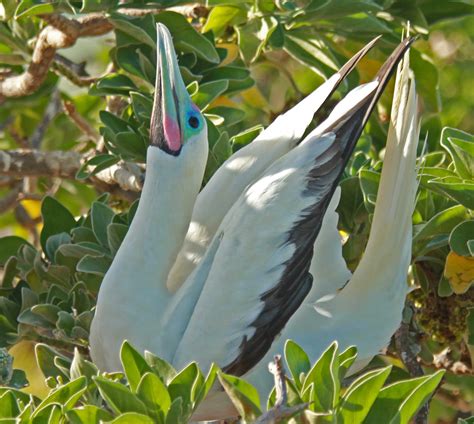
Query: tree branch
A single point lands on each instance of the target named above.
(280, 410)
(408, 351)
(60, 33)
(65, 164)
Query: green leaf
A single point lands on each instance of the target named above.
(133, 364)
(113, 84)
(369, 183)
(338, 8)
(142, 105)
(101, 217)
(231, 115)
(82, 367)
(210, 3)
(50, 414)
(324, 375)
(128, 59)
(400, 401)
(56, 219)
(97, 265)
(346, 359)
(88, 414)
(45, 356)
(9, 246)
(207, 385)
(460, 146)
(442, 223)
(32, 8)
(18, 379)
(208, 92)
(118, 397)
(182, 384)
(131, 145)
(66, 395)
(460, 190)
(8, 405)
(175, 413)
(223, 16)
(461, 235)
(253, 37)
(99, 163)
(187, 38)
(154, 394)
(245, 137)
(361, 394)
(134, 28)
(311, 50)
(133, 418)
(115, 123)
(297, 361)
(243, 395)
(97, 5)
(163, 369)
(427, 80)
(47, 311)
(115, 235)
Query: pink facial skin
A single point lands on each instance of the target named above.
(172, 134)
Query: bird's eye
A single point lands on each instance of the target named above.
(193, 122)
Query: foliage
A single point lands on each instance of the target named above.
(244, 62)
(151, 391)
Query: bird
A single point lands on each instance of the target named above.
(245, 166)
(364, 309)
(254, 273)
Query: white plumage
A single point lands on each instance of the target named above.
(247, 257)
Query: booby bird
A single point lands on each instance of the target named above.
(246, 165)
(255, 274)
(133, 294)
(365, 309)
(254, 297)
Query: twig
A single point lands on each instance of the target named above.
(10, 200)
(52, 110)
(24, 219)
(60, 33)
(65, 164)
(80, 122)
(408, 351)
(279, 411)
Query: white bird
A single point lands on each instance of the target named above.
(255, 273)
(245, 166)
(364, 309)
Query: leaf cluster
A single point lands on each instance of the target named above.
(150, 390)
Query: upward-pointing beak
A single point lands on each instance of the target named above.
(171, 97)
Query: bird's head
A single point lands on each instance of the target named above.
(176, 122)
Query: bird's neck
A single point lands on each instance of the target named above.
(161, 220)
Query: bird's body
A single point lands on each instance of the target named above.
(363, 309)
(251, 271)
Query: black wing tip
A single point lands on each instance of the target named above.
(354, 60)
(388, 67)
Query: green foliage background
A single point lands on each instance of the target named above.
(244, 63)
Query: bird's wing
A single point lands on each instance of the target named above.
(259, 275)
(368, 310)
(245, 166)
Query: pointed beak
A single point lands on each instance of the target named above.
(171, 97)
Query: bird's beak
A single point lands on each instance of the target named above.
(170, 97)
